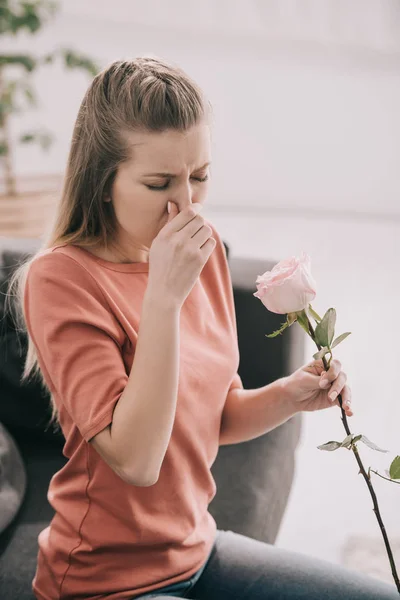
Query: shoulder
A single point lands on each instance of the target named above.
(61, 269)
(62, 257)
(59, 261)
(60, 290)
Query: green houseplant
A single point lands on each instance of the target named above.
(18, 206)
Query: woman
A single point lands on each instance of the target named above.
(130, 316)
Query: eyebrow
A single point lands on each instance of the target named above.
(172, 174)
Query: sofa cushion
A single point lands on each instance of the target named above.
(23, 407)
(13, 478)
(18, 563)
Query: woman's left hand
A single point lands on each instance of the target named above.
(304, 389)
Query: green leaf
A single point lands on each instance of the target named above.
(325, 330)
(347, 441)
(3, 148)
(321, 353)
(12, 90)
(314, 314)
(330, 446)
(370, 444)
(23, 60)
(303, 322)
(278, 332)
(30, 15)
(8, 96)
(394, 470)
(30, 95)
(48, 59)
(339, 339)
(27, 138)
(72, 60)
(41, 137)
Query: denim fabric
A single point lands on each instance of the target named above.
(241, 568)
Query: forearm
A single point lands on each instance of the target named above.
(144, 415)
(250, 413)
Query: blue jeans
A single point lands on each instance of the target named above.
(241, 568)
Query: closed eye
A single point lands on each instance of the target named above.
(164, 187)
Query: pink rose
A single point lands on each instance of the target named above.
(289, 287)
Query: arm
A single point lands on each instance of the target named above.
(144, 415)
(249, 414)
(126, 416)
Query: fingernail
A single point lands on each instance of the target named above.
(169, 206)
(333, 396)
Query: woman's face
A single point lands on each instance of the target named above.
(140, 195)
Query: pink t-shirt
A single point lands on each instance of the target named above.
(109, 539)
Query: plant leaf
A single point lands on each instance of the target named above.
(31, 15)
(72, 60)
(28, 62)
(303, 322)
(330, 446)
(314, 314)
(339, 339)
(347, 441)
(3, 148)
(278, 332)
(394, 470)
(30, 95)
(321, 353)
(48, 59)
(41, 137)
(370, 444)
(325, 330)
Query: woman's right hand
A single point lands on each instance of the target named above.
(178, 254)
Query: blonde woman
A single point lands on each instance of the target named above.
(130, 318)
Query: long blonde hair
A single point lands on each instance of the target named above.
(145, 94)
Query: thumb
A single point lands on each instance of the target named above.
(173, 210)
(316, 367)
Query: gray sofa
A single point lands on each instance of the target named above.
(253, 478)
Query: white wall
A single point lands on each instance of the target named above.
(306, 115)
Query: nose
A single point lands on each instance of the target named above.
(184, 197)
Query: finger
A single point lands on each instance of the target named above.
(346, 400)
(346, 396)
(173, 210)
(347, 409)
(316, 366)
(337, 386)
(334, 370)
(327, 378)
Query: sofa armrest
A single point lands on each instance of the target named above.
(254, 478)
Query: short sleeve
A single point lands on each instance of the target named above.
(77, 339)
